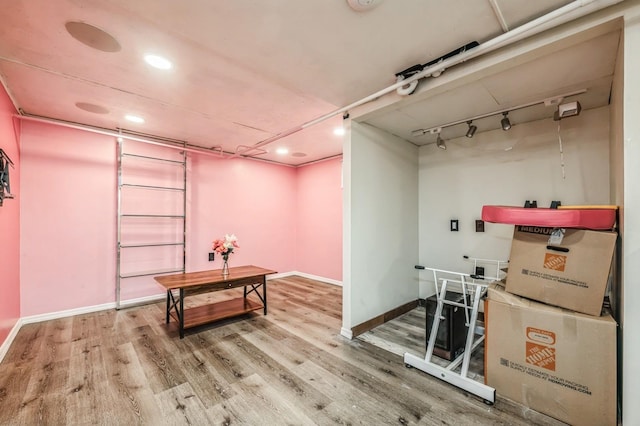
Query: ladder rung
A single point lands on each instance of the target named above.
(166, 188)
(147, 273)
(153, 158)
(153, 215)
(151, 245)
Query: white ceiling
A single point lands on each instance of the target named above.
(245, 71)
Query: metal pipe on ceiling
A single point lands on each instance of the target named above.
(557, 17)
(216, 151)
(120, 134)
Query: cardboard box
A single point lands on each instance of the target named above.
(562, 267)
(558, 362)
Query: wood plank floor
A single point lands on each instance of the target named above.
(289, 367)
(407, 333)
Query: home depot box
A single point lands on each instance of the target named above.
(562, 267)
(558, 362)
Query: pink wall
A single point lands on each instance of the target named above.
(319, 219)
(286, 219)
(68, 219)
(254, 200)
(9, 225)
(69, 216)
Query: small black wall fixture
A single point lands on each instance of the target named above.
(479, 225)
(5, 185)
(454, 225)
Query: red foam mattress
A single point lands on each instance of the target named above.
(584, 218)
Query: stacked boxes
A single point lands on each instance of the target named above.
(555, 350)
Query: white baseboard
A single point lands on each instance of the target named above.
(142, 300)
(67, 313)
(280, 275)
(89, 309)
(305, 275)
(4, 348)
(346, 333)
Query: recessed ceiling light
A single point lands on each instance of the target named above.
(338, 131)
(134, 118)
(282, 151)
(159, 62)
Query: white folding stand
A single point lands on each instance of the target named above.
(473, 288)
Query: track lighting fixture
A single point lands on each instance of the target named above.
(505, 123)
(472, 129)
(440, 143)
(569, 109)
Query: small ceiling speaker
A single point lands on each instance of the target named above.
(363, 5)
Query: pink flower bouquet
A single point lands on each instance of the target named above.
(225, 246)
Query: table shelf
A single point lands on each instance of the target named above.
(206, 314)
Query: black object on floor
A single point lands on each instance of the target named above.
(452, 333)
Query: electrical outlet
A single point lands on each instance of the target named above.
(211, 255)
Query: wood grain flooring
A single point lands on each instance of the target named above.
(290, 367)
(407, 333)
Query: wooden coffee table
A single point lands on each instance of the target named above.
(180, 286)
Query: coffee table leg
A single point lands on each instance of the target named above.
(264, 293)
(182, 313)
(168, 304)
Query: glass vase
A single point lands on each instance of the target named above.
(225, 266)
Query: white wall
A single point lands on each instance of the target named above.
(505, 168)
(380, 224)
(630, 321)
(616, 160)
(628, 198)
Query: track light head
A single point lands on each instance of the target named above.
(440, 143)
(472, 129)
(505, 123)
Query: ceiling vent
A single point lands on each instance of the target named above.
(363, 5)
